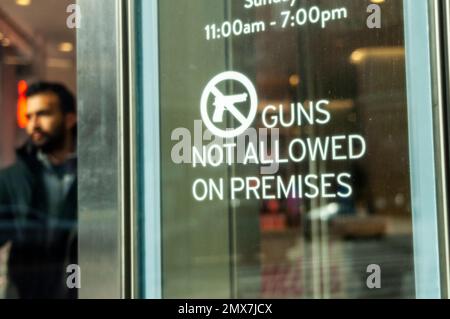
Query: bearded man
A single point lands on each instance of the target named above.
(38, 198)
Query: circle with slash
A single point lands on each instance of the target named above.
(228, 103)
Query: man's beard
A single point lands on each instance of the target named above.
(52, 141)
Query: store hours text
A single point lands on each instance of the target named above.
(287, 19)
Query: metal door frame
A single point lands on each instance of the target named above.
(107, 140)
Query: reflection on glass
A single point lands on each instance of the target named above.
(38, 164)
(333, 83)
(38, 199)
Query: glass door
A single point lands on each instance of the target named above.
(289, 149)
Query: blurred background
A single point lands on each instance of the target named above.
(35, 44)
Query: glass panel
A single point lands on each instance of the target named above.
(192, 266)
(38, 176)
(284, 136)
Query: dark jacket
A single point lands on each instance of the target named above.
(42, 247)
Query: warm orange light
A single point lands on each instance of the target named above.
(23, 3)
(294, 80)
(22, 120)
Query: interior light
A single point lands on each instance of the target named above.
(361, 55)
(294, 80)
(23, 3)
(65, 47)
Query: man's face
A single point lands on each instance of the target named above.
(46, 122)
